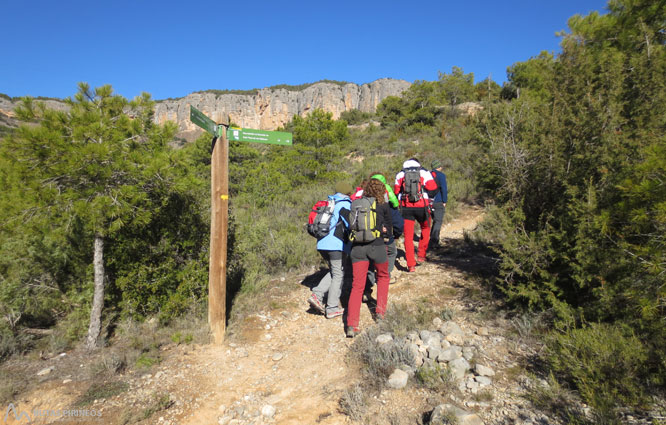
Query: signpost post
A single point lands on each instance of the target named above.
(219, 208)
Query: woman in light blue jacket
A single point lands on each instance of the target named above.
(334, 248)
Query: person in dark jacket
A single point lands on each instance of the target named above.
(391, 249)
(438, 203)
(398, 225)
(363, 253)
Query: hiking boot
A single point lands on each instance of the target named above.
(316, 303)
(352, 331)
(412, 269)
(334, 312)
(420, 261)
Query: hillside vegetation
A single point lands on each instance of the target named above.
(569, 157)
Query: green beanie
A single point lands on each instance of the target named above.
(379, 177)
(435, 164)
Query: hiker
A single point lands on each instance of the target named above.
(391, 252)
(438, 203)
(334, 248)
(370, 226)
(392, 199)
(413, 185)
(391, 248)
(358, 192)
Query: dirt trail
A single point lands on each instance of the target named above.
(289, 368)
(297, 362)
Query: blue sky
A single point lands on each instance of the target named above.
(172, 48)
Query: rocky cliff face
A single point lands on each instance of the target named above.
(269, 108)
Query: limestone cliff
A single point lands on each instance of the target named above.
(271, 108)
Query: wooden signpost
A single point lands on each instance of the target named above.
(219, 207)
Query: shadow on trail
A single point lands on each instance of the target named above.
(312, 280)
(467, 257)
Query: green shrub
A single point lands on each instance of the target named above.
(355, 116)
(101, 390)
(435, 378)
(11, 384)
(161, 401)
(606, 364)
(109, 364)
(11, 343)
(179, 338)
(147, 360)
(401, 319)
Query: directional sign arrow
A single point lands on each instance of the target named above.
(198, 117)
(260, 136)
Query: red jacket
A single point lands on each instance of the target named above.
(428, 184)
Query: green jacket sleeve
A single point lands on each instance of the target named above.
(393, 200)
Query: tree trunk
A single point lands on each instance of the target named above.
(98, 298)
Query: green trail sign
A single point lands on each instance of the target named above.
(259, 136)
(197, 117)
(240, 134)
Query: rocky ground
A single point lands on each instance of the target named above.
(289, 365)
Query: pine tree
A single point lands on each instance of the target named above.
(96, 162)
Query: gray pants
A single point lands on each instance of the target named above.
(331, 283)
(438, 210)
(392, 252)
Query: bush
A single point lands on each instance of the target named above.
(604, 362)
(402, 318)
(354, 403)
(11, 343)
(101, 390)
(435, 377)
(355, 116)
(379, 360)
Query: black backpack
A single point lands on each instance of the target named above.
(411, 185)
(319, 220)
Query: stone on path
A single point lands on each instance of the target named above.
(456, 339)
(449, 354)
(433, 340)
(46, 371)
(384, 338)
(449, 328)
(434, 353)
(398, 379)
(268, 411)
(442, 414)
(458, 367)
(483, 381)
(483, 370)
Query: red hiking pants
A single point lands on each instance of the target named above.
(411, 217)
(361, 256)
